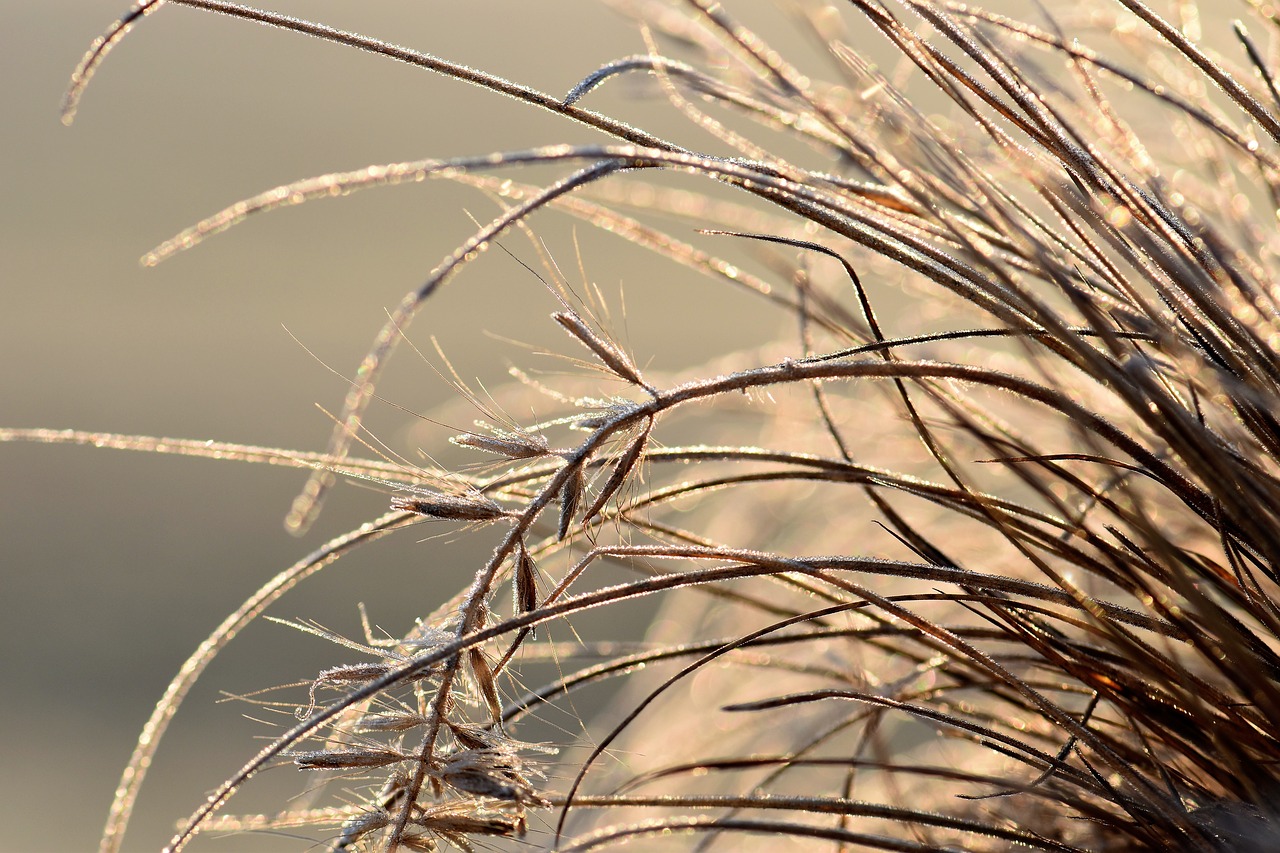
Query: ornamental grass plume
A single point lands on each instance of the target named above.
(980, 552)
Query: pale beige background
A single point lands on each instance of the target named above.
(114, 566)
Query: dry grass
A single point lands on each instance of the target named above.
(998, 568)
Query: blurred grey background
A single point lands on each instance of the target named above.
(115, 565)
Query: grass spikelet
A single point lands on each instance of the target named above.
(483, 675)
(443, 507)
(570, 498)
(623, 467)
(524, 582)
(611, 356)
(346, 759)
(512, 446)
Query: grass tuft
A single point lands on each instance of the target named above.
(982, 550)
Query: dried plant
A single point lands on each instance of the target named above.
(994, 567)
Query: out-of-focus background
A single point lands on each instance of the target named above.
(113, 565)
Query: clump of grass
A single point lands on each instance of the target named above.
(996, 567)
